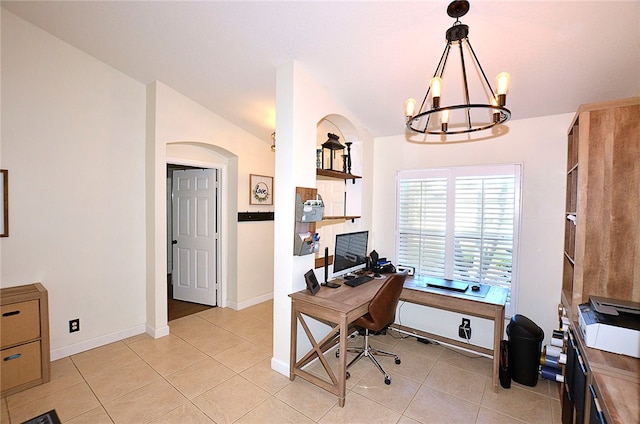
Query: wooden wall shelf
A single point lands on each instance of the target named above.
(335, 174)
(339, 218)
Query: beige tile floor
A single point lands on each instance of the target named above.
(214, 367)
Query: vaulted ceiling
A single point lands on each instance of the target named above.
(371, 55)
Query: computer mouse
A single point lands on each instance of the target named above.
(376, 275)
(475, 287)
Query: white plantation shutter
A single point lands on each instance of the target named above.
(461, 223)
(423, 228)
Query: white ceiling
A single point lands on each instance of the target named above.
(371, 55)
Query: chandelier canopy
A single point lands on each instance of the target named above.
(435, 117)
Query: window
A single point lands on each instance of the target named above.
(461, 223)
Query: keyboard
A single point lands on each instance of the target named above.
(355, 282)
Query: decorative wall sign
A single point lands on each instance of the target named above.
(4, 208)
(261, 190)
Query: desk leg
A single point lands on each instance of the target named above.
(342, 377)
(498, 330)
(294, 340)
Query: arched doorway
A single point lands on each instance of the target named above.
(189, 154)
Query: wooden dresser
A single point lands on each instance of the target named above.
(24, 326)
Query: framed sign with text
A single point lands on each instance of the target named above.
(261, 190)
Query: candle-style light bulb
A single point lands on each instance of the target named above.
(496, 113)
(502, 83)
(444, 120)
(409, 108)
(436, 90)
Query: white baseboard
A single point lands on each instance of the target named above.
(156, 333)
(73, 349)
(247, 303)
(279, 366)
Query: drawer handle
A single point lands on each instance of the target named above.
(8, 314)
(14, 356)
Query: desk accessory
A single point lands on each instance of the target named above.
(312, 282)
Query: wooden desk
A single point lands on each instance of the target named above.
(338, 308)
(490, 307)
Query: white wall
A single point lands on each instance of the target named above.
(296, 120)
(181, 121)
(540, 145)
(73, 134)
(85, 183)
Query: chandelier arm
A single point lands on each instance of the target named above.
(426, 125)
(442, 63)
(443, 59)
(466, 85)
(486, 80)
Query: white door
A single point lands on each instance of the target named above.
(169, 226)
(195, 238)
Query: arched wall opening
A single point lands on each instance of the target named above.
(341, 198)
(204, 155)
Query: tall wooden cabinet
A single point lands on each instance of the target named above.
(602, 227)
(601, 254)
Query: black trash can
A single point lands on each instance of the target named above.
(525, 344)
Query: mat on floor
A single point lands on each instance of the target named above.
(47, 418)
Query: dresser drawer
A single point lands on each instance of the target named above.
(19, 322)
(20, 365)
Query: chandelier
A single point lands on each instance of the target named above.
(434, 117)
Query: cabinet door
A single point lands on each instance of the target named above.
(579, 388)
(570, 367)
(20, 365)
(20, 322)
(567, 408)
(595, 415)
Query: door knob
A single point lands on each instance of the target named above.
(174, 242)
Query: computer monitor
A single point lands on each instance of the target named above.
(350, 253)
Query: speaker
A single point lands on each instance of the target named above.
(374, 258)
(326, 265)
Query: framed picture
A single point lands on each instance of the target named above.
(312, 281)
(4, 209)
(261, 190)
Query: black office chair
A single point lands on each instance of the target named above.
(382, 313)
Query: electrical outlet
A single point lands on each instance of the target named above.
(464, 330)
(74, 325)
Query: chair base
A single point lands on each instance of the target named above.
(370, 352)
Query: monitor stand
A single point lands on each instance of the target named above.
(326, 271)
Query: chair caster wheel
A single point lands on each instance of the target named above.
(398, 361)
(387, 381)
(349, 375)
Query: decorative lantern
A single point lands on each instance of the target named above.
(332, 144)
